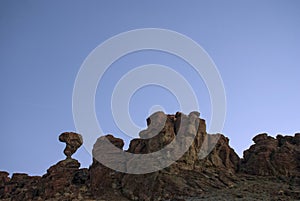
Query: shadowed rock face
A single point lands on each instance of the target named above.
(73, 142)
(273, 156)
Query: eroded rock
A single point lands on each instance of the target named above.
(207, 164)
(73, 142)
(187, 176)
(103, 180)
(273, 156)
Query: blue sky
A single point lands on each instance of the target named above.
(254, 44)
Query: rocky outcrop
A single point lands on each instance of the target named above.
(270, 156)
(105, 181)
(3, 178)
(21, 187)
(63, 181)
(189, 175)
(202, 165)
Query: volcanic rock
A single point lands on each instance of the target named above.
(203, 167)
(59, 178)
(187, 176)
(103, 179)
(20, 187)
(3, 177)
(73, 142)
(63, 181)
(273, 156)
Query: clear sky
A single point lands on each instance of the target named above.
(254, 44)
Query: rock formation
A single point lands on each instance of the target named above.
(189, 175)
(20, 187)
(63, 181)
(209, 168)
(73, 142)
(273, 156)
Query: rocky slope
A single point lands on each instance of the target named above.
(269, 170)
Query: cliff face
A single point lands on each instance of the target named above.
(193, 174)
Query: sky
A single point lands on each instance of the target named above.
(255, 46)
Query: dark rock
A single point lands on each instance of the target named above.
(4, 177)
(73, 142)
(59, 177)
(81, 177)
(4, 180)
(104, 180)
(260, 137)
(273, 157)
(20, 187)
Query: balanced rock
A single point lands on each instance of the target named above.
(73, 142)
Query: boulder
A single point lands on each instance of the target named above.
(73, 142)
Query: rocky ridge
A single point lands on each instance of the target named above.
(271, 165)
